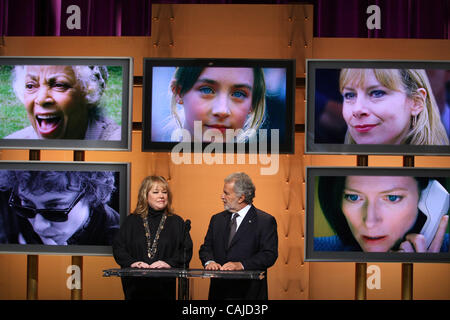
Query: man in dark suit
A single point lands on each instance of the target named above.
(239, 238)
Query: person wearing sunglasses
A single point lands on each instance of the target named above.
(61, 207)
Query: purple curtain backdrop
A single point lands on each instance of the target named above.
(426, 19)
(98, 17)
(422, 19)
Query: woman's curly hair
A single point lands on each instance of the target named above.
(92, 81)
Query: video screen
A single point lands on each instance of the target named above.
(65, 103)
(385, 107)
(218, 101)
(378, 214)
(61, 207)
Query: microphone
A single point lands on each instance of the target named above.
(187, 225)
(187, 228)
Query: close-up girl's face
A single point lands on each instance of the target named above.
(380, 209)
(221, 98)
(375, 114)
(52, 232)
(158, 197)
(55, 102)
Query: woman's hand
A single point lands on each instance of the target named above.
(140, 265)
(159, 265)
(416, 242)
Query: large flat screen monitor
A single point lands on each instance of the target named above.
(228, 105)
(76, 103)
(69, 208)
(378, 107)
(377, 214)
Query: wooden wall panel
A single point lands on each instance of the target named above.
(137, 104)
(300, 102)
(403, 49)
(13, 276)
(331, 280)
(136, 47)
(52, 279)
(96, 287)
(430, 161)
(431, 281)
(234, 31)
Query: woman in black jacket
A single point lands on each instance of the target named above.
(152, 237)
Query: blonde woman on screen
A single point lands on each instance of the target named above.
(390, 106)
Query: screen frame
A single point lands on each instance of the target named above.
(311, 147)
(78, 144)
(287, 147)
(356, 256)
(84, 250)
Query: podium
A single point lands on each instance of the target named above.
(183, 275)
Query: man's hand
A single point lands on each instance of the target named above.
(232, 266)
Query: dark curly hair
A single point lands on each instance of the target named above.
(98, 186)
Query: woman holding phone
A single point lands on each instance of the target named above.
(376, 214)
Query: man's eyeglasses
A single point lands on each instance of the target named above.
(56, 215)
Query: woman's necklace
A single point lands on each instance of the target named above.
(151, 249)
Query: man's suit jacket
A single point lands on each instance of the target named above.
(255, 245)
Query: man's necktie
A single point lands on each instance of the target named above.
(233, 227)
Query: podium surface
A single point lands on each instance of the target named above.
(183, 275)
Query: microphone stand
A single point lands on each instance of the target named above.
(183, 281)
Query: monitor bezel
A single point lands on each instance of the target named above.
(356, 256)
(83, 250)
(311, 147)
(287, 147)
(124, 144)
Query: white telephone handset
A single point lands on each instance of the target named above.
(434, 203)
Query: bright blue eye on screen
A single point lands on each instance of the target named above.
(349, 95)
(377, 93)
(394, 198)
(206, 90)
(351, 197)
(239, 94)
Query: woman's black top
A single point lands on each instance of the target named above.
(130, 245)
